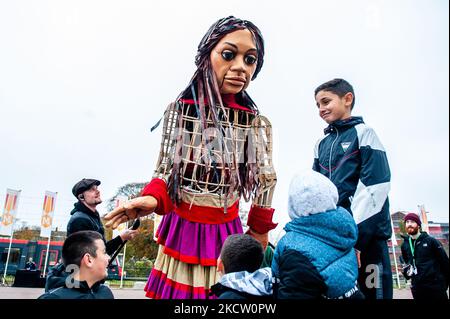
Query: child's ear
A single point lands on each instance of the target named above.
(348, 99)
(87, 260)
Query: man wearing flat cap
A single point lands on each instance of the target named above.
(427, 264)
(86, 217)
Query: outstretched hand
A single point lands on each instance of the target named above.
(132, 209)
(128, 234)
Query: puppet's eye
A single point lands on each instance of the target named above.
(228, 55)
(250, 59)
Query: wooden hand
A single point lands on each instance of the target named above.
(132, 209)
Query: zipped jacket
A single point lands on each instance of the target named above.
(244, 285)
(81, 290)
(431, 262)
(353, 158)
(315, 258)
(85, 219)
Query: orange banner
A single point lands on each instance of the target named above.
(9, 212)
(47, 213)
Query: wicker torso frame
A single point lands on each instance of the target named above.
(215, 167)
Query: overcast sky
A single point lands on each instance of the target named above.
(82, 83)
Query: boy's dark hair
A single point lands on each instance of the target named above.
(241, 252)
(78, 244)
(340, 87)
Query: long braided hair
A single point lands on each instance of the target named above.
(204, 87)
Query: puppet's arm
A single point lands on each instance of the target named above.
(157, 188)
(261, 212)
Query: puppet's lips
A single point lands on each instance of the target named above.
(236, 80)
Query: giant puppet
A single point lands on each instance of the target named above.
(216, 148)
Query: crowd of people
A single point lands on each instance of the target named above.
(315, 259)
(216, 148)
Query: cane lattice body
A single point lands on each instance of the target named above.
(210, 163)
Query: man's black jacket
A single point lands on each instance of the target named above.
(80, 291)
(85, 219)
(82, 219)
(431, 261)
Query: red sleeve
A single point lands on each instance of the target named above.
(158, 189)
(260, 219)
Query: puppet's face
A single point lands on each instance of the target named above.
(234, 61)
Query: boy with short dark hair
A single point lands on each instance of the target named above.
(83, 253)
(239, 262)
(353, 158)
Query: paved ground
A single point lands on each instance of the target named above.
(402, 293)
(33, 293)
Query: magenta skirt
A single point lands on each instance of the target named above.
(185, 267)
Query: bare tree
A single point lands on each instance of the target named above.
(130, 190)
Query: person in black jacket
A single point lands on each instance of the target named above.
(427, 262)
(84, 254)
(353, 158)
(86, 217)
(239, 262)
(30, 265)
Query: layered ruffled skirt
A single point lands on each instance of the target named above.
(185, 267)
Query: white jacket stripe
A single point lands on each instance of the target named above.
(368, 200)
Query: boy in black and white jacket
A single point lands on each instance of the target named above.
(353, 158)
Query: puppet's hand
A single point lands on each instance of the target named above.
(262, 238)
(132, 209)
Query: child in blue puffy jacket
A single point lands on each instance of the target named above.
(315, 259)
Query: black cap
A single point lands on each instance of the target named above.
(84, 185)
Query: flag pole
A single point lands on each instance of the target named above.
(116, 232)
(123, 266)
(396, 267)
(393, 244)
(7, 258)
(46, 255)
